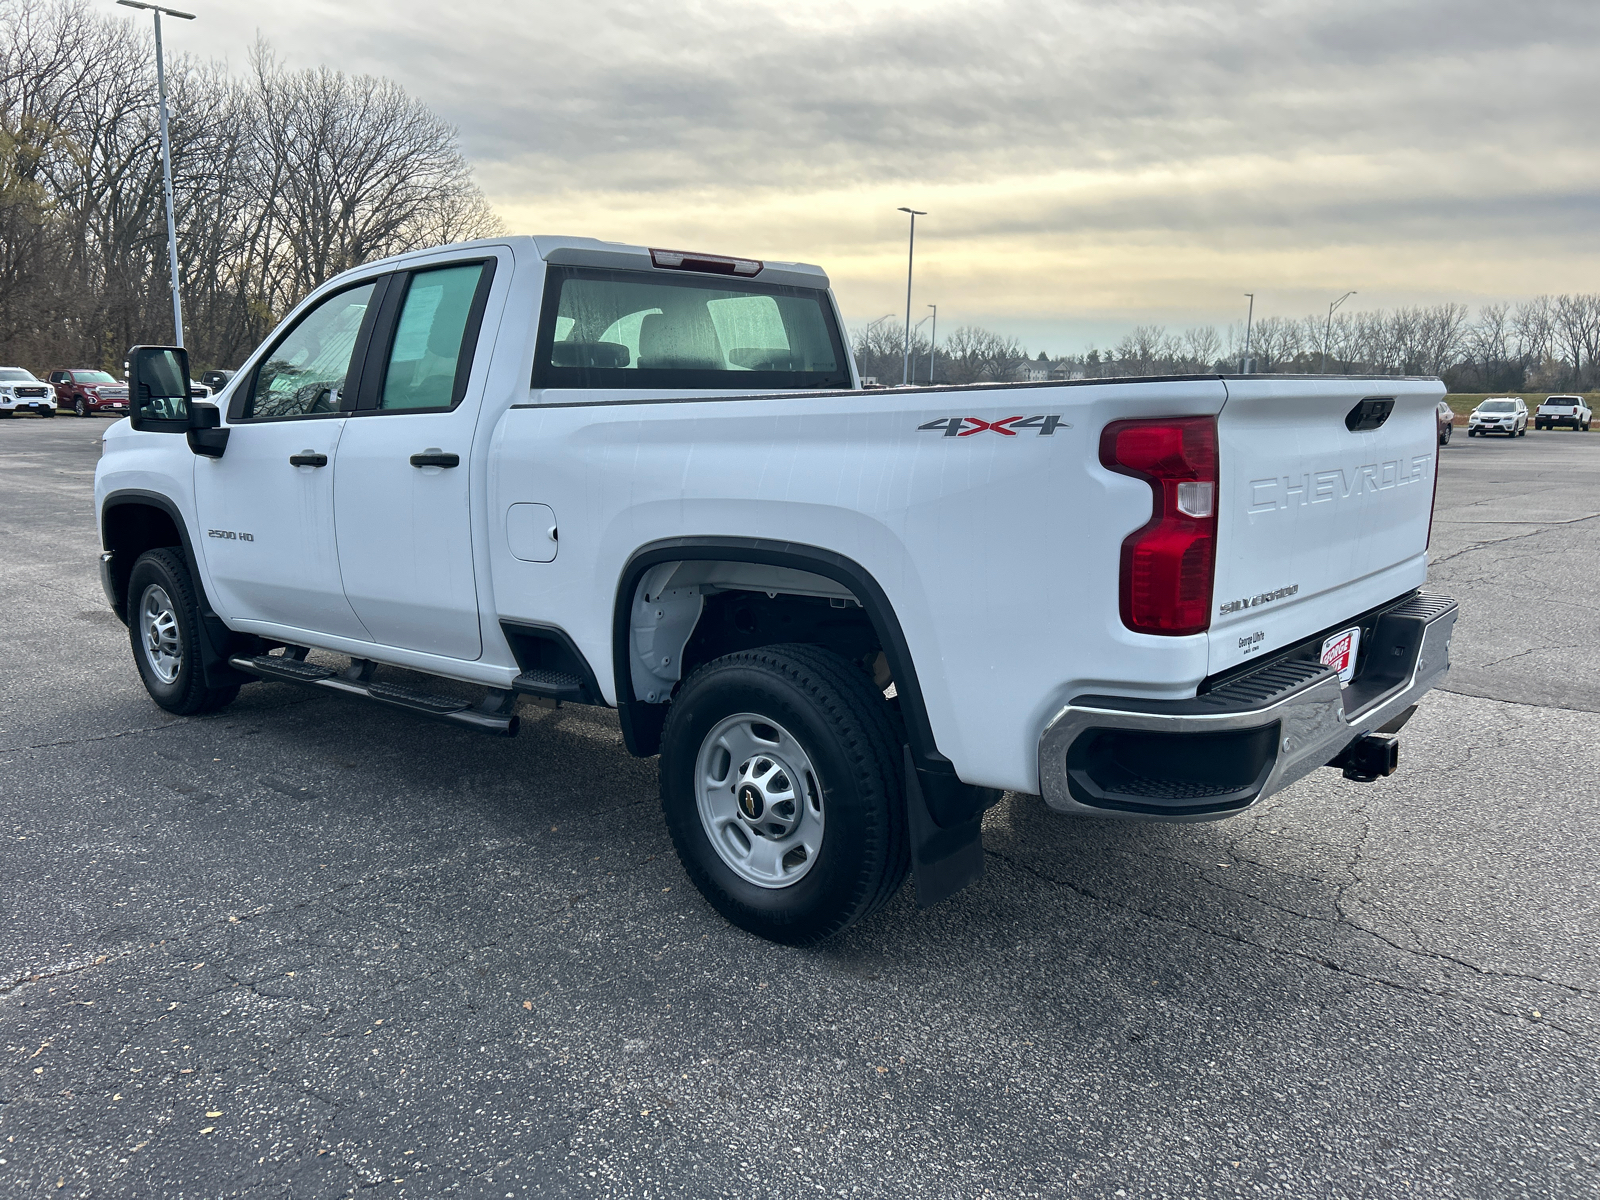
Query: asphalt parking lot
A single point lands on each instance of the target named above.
(308, 947)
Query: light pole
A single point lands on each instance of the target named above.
(166, 156)
(933, 341)
(916, 327)
(911, 254)
(1328, 332)
(1244, 363)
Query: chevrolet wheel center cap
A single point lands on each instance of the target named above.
(750, 802)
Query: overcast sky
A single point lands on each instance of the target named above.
(1086, 167)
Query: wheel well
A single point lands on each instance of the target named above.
(128, 531)
(684, 600)
(685, 613)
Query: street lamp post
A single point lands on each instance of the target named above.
(911, 254)
(1328, 332)
(166, 156)
(916, 327)
(933, 341)
(1244, 363)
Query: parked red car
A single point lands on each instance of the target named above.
(86, 392)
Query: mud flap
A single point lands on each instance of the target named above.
(945, 860)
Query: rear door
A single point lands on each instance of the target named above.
(1326, 494)
(402, 489)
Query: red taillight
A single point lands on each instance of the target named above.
(711, 264)
(1168, 565)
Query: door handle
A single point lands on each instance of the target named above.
(433, 458)
(308, 458)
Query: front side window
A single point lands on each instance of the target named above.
(427, 355)
(639, 329)
(306, 371)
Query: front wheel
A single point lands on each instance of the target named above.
(80, 407)
(164, 628)
(781, 787)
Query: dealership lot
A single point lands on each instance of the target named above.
(308, 946)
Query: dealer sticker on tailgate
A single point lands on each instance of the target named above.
(1339, 652)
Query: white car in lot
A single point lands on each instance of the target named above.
(1499, 414)
(21, 392)
(1571, 411)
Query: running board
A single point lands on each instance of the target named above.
(494, 714)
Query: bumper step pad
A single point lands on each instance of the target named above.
(552, 685)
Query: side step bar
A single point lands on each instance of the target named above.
(494, 714)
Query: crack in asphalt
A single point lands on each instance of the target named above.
(1543, 528)
(1320, 960)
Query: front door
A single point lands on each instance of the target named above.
(266, 506)
(401, 499)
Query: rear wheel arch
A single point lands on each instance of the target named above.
(642, 719)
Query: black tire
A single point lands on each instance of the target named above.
(843, 725)
(80, 407)
(185, 693)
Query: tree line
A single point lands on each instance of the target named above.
(1547, 342)
(282, 178)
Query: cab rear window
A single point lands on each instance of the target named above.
(656, 330)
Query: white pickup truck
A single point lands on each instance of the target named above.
(584, 472)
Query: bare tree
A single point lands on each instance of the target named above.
(280, 180)
(975, 355)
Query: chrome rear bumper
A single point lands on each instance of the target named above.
(1219, 753)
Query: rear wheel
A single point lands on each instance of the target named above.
(164, 629)
(781, 787)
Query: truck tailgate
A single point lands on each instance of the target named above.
(1317, 522)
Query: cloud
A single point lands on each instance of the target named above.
(1082, 161)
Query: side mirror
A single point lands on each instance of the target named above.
(158, 388)
(206, 435)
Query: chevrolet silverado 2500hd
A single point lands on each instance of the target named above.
(592, 473)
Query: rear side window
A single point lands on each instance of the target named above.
(640, 329)
(426, 357)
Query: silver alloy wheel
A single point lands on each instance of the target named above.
(158, 628)
(760, 800)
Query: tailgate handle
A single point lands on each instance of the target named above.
(1368, 414)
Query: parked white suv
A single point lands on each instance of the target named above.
(1499, 414)
(1571, 411)
(21, 392)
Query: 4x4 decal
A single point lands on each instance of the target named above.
(1006, 426)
